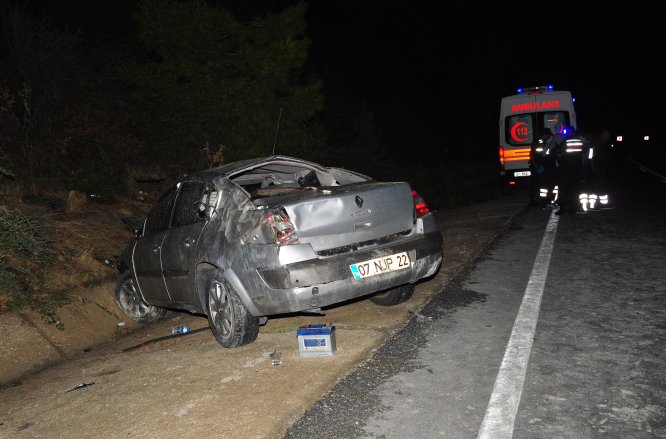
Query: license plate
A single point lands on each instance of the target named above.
(522, 174)
(385, 264)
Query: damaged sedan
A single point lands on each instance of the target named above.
(275, 235)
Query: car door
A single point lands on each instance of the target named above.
(147, 259)
(179, 246)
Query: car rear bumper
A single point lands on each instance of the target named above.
(325, 281)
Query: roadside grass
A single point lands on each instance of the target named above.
(49, 257)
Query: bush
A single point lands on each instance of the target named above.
(21, 235)
(25, 250)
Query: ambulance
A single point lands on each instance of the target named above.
(523, 119)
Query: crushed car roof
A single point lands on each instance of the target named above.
(232, 167)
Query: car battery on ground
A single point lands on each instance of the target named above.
(316, 340)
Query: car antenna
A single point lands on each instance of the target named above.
(277, 130)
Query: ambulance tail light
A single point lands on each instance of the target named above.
(501, 155)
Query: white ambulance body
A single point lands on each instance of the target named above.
(523, 119)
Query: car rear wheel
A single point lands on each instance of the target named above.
(394, 296)
(129, 300)
(231, 323)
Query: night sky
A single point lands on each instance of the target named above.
(443, 67)
(434, 72)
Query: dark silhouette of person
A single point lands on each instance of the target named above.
(571, 159)
(550, 176)
(538, 167)
(601, 160)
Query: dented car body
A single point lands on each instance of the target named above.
(275, 235)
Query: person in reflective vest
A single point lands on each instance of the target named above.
(548, 192)
(537, 169)
(571, 160)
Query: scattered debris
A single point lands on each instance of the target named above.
(111, 262)
(79, 386)
(121, 324)
(181, 329)
(276, 358)
(161, 339)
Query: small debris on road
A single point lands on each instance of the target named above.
(80, 386)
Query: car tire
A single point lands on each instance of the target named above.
(229, 320)
(394, 296)
(130, 301)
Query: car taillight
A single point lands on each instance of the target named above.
(420, 206)
(501, 155)
(281, 224)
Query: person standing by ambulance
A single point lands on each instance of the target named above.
(571, 161)
(550, 177)
(601, 162)
(538, 188)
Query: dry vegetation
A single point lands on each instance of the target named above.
(74, 235)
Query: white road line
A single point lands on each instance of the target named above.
(503, 406)
(646, 169)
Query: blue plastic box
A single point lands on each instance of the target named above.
(316, 340)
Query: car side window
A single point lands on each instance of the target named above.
(159, 216)
(209, 202)
(188, 205)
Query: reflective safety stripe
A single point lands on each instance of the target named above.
(591, 199)
(574, 149)
(515, 155)
(589, 156)
(583, 201)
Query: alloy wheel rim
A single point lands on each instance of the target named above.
(220, 308)
(131, 301)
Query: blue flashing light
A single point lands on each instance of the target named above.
(573, 99)
(564, 131)
(550, 87)
(520, 90)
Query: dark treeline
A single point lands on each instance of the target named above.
(186, 86)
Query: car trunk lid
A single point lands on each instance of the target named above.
(337, 216)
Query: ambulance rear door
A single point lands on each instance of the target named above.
(523, 119)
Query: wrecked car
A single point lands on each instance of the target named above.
(275, 235)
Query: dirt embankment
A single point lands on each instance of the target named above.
(145, 384)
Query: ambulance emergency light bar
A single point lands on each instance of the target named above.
(538, 89)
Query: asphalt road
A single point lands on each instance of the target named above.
(596, 357)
